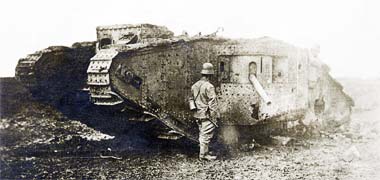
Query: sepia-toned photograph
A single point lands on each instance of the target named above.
(199, 89)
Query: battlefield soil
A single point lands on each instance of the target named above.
(37, 141)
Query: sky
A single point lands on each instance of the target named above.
(347, 31)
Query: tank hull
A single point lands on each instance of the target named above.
(262, 83)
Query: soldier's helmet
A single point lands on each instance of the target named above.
(208, 68)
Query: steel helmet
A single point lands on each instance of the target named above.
(207, 68)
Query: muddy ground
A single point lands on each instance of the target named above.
(37, 141)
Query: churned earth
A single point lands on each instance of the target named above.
(37, 141)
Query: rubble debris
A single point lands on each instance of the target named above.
(281, 140)
(351, 154)
(249, 146)
(111, 157)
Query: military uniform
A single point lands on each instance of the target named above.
(206, 114)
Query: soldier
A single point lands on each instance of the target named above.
(206, 112)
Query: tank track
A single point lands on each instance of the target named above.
(52, 73)
(25, 69)
(98, 78)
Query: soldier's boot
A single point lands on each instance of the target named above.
(204, 153)
(207, 157)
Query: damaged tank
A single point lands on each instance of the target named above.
(264, 86)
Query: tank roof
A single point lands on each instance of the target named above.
(129, 26)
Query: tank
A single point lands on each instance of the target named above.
(264, 86)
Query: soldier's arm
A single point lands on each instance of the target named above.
(192, 91)
(191, 94)
(212, 103)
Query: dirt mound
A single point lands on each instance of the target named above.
(13, 97)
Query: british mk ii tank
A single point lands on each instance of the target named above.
(264, 86)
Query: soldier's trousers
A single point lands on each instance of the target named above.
(206, 133)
